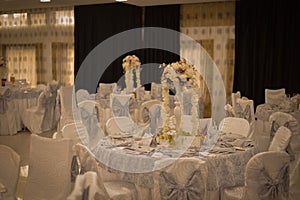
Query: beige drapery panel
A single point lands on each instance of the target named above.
(41, 29)
(213, 26)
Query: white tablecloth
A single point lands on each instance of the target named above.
(226, 162)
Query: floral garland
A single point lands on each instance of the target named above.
(176, 75)
(130, 63)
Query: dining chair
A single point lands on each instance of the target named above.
(120, 104)
(117, 125)
(105, 89)
(234, 97)
(235, 125)
(182, 178)
(82, 95)
(144, 118)
(49, 174)
(40, 118)
(111, 189)
(9, 171)
(278, 119)
(10, 122)
(156, 91)
(274, 96)
(266, 177)
(281, 139)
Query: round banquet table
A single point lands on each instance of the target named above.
(226, 161)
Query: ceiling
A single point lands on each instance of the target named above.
(6, 5)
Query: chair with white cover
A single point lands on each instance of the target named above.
(82, 95)
(119, 104)
(295, 182)
(117, 125)
(89, 118)
(40, 118)
(9, 171)
(9, 118)
(156, 91)
(144, 117)
(278, 119)
(266, 177)
(281, 139)
(105, 89)
(155, 115)
(235, 125)
(49, 175)
(274, 96)
(67, 105)
(244, 108)
(229, 112)
(182, 178)
(234, 97)
(112, 189)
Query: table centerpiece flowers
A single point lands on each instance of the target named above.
(178, 75)
(130, 63)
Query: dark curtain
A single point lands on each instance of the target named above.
(94, 24)
(267, 46)
(166, 16)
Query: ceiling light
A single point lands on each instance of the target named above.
(43, 1)
(121, 0)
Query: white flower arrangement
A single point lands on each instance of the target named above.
(175, 76)
(131, 62)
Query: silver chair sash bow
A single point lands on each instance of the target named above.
(193, 188)
(120, 109)
(272, 189)
(89, 120)
(243, 113)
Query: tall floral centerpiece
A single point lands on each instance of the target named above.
(178, 75)
(131, 63)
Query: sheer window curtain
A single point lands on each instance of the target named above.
(213, 26)
(27, 38)
(21, 62)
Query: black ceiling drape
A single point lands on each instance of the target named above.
(267, 46)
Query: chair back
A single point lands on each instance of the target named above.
(274, 96)
(9, 171)
(49, 175)
(183, 178)
(281, 139)
(105, 89)
(267, 176)
(120, 104)
(116, 125)
(82, 95)
(144, 110)
(155, 115)
(244, 108)
(235, 97)
(156, 91)
(235, 125)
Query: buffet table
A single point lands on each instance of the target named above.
(135, 163)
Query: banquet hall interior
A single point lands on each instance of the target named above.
(149, 99)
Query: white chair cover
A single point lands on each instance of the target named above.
(144, 117)
(120, 104)
(76, 132)
(9, 173)
(40, 118)
(266, 177)
(49, 175)
(183, 178)
(116, 125)
(156, 120)
(82, 95)
(67, 105)
(295, 182)
(105, 89)
(89, 118)
(234, 97)
(281, 139)
(156, 91)
(278, 119)
(274, 96)
(235, 125)
(140, 93)
(229, 112)
(244, 108)
(9, 116)
(115, 190)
